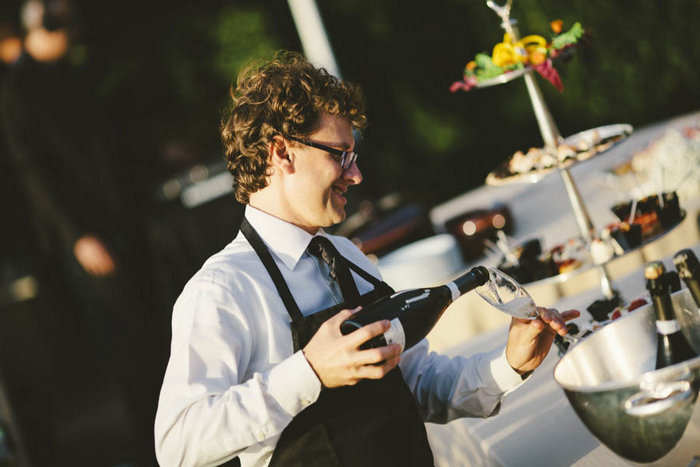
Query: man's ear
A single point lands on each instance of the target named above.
(280, 157)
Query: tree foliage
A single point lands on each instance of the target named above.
(164, 69)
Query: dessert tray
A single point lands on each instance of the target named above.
(560, 263)
(518, 57)
(537, 163)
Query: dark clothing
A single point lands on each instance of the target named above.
(375, 422)
(57, 139)
(67, 167)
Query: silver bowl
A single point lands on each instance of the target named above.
(640, 413)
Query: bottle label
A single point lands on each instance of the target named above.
(455, 290)
(418, 298)
(395, 334)
(667, 327)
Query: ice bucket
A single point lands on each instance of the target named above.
(640, 413)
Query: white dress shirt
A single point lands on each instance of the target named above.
(233, 382)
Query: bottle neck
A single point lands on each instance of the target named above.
(476, 276)
(694, 287)
(661, 297)
(686, 271)
(689, 270)
(687, 265)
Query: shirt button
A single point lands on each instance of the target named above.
(306, 401)
(260, 435)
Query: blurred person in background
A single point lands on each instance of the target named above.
(18, 271)
(251, 374)
(15, 231)
(81, 207)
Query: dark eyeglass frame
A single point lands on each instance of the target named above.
(346, 157)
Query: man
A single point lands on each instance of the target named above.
(256, 370)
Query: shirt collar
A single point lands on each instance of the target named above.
(286, 240)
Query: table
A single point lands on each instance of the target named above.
(536, 425)
(542, 211)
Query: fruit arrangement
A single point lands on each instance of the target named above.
(531, 51)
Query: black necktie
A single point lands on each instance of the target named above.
(321, 247)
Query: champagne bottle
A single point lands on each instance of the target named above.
(672, 346)
(688, 268)
(673, 281)
(414, 312)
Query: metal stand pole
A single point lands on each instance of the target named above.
(549, 130)
(583, 221)
(605, 283)
(552, 138)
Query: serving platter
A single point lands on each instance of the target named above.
(572, 150)
(587, 264)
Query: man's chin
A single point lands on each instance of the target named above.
(337, 217)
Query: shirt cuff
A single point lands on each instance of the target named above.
(294, 384)
(503, 374)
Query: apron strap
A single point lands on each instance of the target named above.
(266, 257)
(364, 274)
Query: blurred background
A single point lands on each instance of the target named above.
(113, 188)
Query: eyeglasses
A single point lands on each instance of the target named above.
(346, 157)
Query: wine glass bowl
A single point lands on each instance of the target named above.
(505, 293)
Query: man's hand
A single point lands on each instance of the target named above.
(529, 341)
(93, 256)
(337, 359)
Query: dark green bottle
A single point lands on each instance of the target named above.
(672, 346)
(413, 313)
(688, 269)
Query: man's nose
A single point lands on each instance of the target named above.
(353, 174)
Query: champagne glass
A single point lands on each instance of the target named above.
(505, 293)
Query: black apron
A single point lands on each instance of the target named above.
(373, 423)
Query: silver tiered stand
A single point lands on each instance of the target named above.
(552, 139)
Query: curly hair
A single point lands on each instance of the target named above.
(287, 96)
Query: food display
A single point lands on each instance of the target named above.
(528, 263)
(658, 281)
(601, 313)
(669, 163)
(537, 162)
(623, 236)
(511, 57)
(652, 216)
